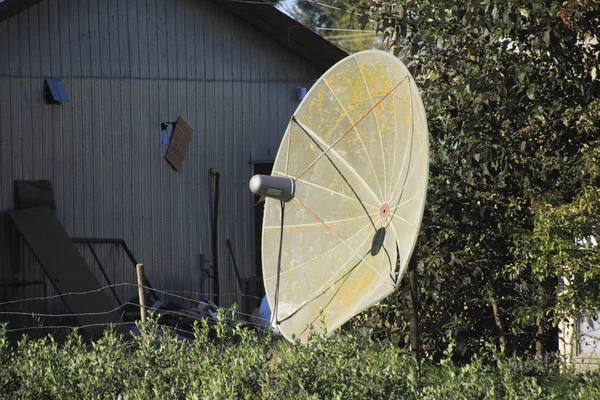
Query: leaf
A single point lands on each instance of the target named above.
(547, 37)
(531, 91)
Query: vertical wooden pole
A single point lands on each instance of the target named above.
(413, 278)
(140, 278)
(215, 248)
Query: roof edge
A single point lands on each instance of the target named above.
(9, 8)
(317, 50)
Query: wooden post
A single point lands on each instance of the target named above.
(140, 278)
(413, 279)
(215, 248)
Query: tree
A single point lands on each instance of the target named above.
(513, 105)
(338, 25)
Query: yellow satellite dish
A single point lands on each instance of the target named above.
(354, 160)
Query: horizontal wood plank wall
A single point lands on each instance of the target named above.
(128, 67)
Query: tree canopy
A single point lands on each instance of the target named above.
(512, 95)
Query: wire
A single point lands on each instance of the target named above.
(181, 313)
(36, 314)
(328, 6)
(172, 293)
(346, 30)
(164, 291)
(206, 294)
(265, 3)
(274, 317)
(55, 327)
(275, 3)
(64, 294)
(27, 328)
(191, 299)
(350, 37)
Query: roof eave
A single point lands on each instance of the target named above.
(318, 51)
(8, 8)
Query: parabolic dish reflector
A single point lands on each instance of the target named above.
(358, 150)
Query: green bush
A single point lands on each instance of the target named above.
(228, 360)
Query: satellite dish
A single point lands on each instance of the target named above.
(356, 150)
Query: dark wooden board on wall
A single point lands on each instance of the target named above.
(65, 267)
(180, 142)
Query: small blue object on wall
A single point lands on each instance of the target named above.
(166, 131)
(300, 93)
(55, 91)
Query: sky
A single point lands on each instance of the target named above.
(283, 6)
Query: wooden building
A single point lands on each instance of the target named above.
(229, 69)
(579, 338)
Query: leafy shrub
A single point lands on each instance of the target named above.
(228, 360)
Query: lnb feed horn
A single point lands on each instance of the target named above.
(275, 187)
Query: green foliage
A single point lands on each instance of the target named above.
(231, 361)
(343, 366)
(559, 246)
(511, 93)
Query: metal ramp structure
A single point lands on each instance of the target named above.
(66, 268)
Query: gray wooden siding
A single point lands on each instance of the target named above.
(128, 66)
(157, 39)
